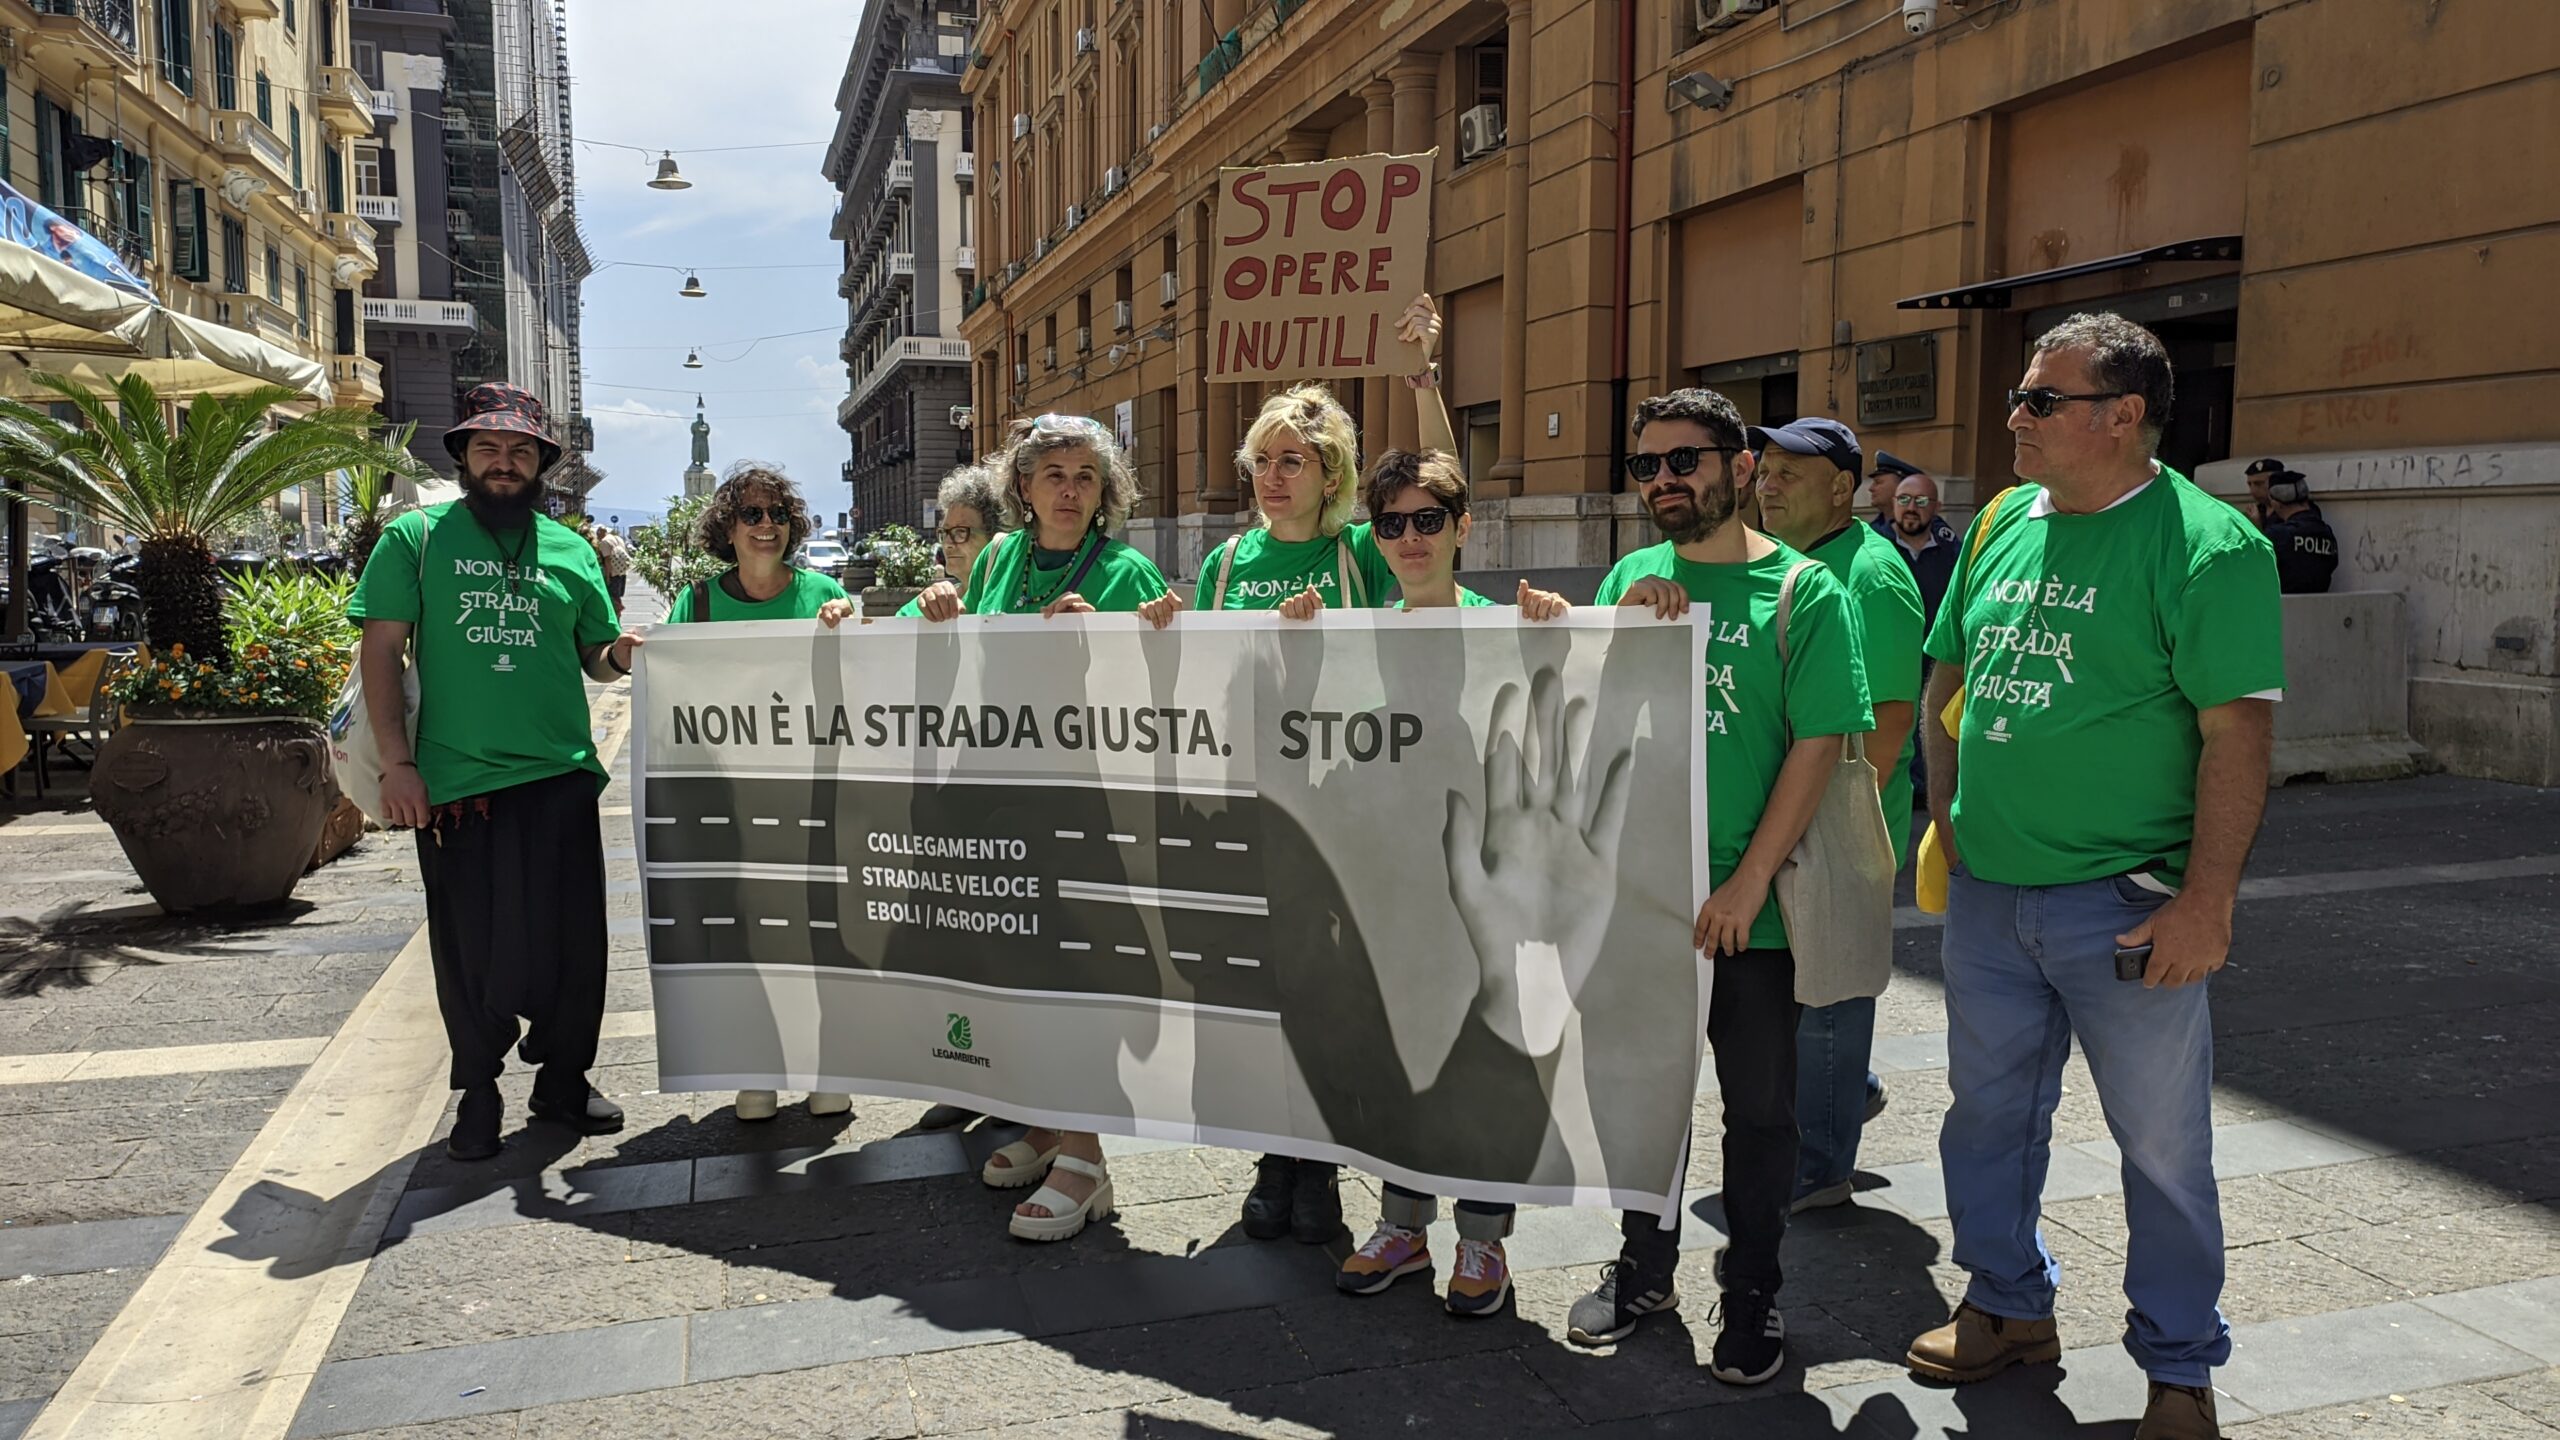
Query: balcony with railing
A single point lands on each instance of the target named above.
(354, 239)
(355, 381)
(103, 28)
(266, 319)
(243, 139)
(965, 165)
(346, 102)
(964, 259)
(902, 175)
(379, 209)
(905, 350)
(385, 105)
(421, 314)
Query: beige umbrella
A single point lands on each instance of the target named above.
(56, 319)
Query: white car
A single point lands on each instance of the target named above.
(824, 556)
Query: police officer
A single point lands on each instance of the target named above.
(2306, 549)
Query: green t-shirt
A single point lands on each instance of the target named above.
(502, 698)
(1121, 578)
(1750, 706)
(1268, 571)
(799, 600)
(1466, 599)
(2089, 642)
(1890, 621)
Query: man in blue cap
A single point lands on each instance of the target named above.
(1809, 476)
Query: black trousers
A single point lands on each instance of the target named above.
(516, 926)
(1751, 1025)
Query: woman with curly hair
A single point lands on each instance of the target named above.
(756, 521)
(1065, 489)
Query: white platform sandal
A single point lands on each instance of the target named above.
(1066, 1217)
(1022, 1165)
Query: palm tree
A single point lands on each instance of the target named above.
(120, 461)
(371, 503)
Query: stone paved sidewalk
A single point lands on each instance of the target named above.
(2389, 1119)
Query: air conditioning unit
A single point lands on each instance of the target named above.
(307, 200)
(1084, 339)
(1040, 248)
(1085, 43)
(1022, 125)
(1717, 14)
(1121, 316)
(1021, 374)
(960, 417)
(1075, 216)
(1048, 357)
(1154, 133)
(1170, 287)
(1113, 179)
(1479, 133)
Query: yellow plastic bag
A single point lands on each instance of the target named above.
(1929, 872)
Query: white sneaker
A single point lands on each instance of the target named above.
(758, 1104)
(829, 1102)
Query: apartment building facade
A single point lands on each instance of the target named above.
(209, 145)
(471, 181)
(2335, 211)
(903, 158)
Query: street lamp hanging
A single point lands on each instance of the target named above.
(668, 177)
(692, 287)
(693, 359)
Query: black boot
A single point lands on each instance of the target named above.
(1267, 1205)
(1315, 1202)
(475, 1124)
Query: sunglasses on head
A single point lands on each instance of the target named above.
(759, 514)
(2040, 401)
(1081, 424)
(1682, 460)
(1390, 526)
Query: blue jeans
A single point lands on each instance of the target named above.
(1833, 1090)
(2026, 970)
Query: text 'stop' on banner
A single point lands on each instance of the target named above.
(1313, 265)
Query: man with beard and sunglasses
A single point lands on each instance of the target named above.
(1774, 729)
(510, 614)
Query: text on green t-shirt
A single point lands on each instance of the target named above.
(1266, 571)
(502, 698)
(1750, 706)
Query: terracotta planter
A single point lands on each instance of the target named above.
(215, 814)
(884, 600)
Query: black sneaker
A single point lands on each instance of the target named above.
(1752, 1346)
(1267, 1204)
(1315, 1201)
(475, 1124)
(1875, 1103)
(1627, 1293)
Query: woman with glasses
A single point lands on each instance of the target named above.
(756, 521)
(1418, 511)
(1301, 455)
(971, 516)
(1066, 489)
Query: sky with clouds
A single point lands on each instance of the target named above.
(691, 78)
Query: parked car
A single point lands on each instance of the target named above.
(824, 556)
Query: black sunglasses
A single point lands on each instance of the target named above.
(2041, 400)
(759, 514)
(1390, 526)
(1683, 461)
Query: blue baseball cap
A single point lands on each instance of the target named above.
(1813, 435)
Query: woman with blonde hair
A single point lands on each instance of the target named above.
(1066, 489)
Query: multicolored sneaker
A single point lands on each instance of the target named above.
(1392, 1252)
(1481, 1285)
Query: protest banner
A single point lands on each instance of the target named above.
(1387, 889)
(1313, 264)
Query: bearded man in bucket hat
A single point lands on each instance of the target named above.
(509, 611)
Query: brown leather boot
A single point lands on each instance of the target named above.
(1977, 1345)
(2179, 1412)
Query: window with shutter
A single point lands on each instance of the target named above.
(293, 121)
(186, 231)
(138, 185)
(266, 102)
(226, 69)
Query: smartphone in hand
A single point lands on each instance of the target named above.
(2132, 961)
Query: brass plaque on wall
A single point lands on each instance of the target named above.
(1898, 380)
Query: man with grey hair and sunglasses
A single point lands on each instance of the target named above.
(2106, 611)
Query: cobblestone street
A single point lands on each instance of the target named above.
(2389, 1113)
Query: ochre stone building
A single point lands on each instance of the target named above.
(2344, 216)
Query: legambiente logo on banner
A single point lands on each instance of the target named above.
(1337, 889)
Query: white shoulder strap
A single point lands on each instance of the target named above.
(1353, 591)
(1226, 567)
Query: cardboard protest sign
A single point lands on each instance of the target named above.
(1313, 264)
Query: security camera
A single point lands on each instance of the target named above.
(1919, 16)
